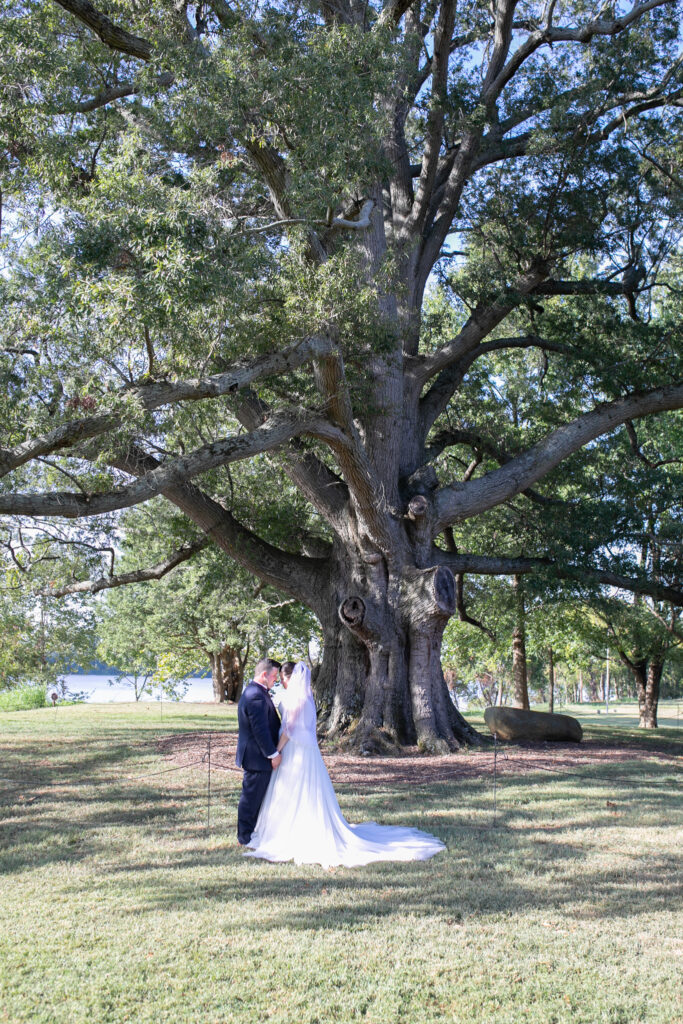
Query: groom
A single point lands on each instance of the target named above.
(259, 727)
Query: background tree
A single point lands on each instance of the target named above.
(195, 616)
(224, 222)
(42, 641)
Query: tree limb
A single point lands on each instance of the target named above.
(449, 198)
(435, 117)
(447, 438)
(274, 171)
(494, 148)
(484, 565)
(459, 502)
(393, 11)
(70, 505)
(112, 35)
(347, 445)
(433, 403)
(320, 486)
(461, 608)
(158, 393)
(482, 321)
(154, 572)
(55, 440)
(502, 38)
(117, 92)
(325, 491)
(496, 82)
(298, 575)
(588, 286)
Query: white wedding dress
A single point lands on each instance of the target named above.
(300, 819)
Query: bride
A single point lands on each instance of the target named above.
(300, 818)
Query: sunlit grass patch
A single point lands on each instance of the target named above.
(23, 698)
(119, 905)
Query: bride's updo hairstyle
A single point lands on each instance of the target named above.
(287, 669)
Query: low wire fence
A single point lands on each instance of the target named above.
(493, 766)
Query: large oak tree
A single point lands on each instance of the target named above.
(314, 235)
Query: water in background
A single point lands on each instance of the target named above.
(99, 691)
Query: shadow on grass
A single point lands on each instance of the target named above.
(64, 804)
(56, 795)
(474, 877)
(664, 740)
(521, 866)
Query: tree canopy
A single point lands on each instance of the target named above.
(346, 283)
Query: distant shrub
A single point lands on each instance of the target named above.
(23, 698)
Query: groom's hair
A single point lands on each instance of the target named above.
(288, 668)
(265, 665)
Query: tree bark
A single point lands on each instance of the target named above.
(233, 673)
(648, 679)
(227, 674)
(217, 677)
(380, 684)
(519, 663)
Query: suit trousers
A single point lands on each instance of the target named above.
(254, 786)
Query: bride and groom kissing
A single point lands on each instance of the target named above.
(288, 809)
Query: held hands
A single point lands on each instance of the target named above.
(275, 761)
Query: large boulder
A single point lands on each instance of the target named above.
(515, 724)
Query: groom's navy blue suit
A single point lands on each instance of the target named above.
(259, 730)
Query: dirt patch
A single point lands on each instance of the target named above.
(414, 768)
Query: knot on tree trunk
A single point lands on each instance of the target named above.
(361, 619)
(428, 594)
(352, 612)
(419, 528)
(418, 507)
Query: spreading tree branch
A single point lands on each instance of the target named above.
(70, 505)
(499, 76)
(483, 320)
(155, 394)
(118, 92)
(484, 565)
(297, 575)
(154, 572)
(347, 445)
(435, 117)
(434, 402)
(459, 502)
(113, 36)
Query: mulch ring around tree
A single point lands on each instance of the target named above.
(413, 768)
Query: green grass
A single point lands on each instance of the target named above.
(118, 905)
(621, 713)
(23, 698)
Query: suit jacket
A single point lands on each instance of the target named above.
(259, 729)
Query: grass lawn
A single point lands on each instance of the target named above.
(118, 905)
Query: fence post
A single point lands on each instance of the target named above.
(495, 770)
(208, 789)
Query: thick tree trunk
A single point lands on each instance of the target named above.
(217, 677)
(380, 684)
(519, 663)
(647, 674)
(233, 673)
(648, 677)
(227, 674)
